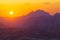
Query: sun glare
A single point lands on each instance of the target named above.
(11, 12)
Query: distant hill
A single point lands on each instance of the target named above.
(38, 19)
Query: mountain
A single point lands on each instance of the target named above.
(37, 24)
(39, 21)
(57, 19)
(56, 24)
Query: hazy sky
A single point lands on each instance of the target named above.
(29, 1)
(23, 7)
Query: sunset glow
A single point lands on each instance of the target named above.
(23, 7)
(29, 19)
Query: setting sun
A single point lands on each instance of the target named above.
(11, 12)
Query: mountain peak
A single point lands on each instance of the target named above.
(57, 14)
(41, 12)
(38, 13)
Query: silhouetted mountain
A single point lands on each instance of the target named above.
(41, 23)
(37, 19)
(37, 24)
(57, 19)
(56, 24)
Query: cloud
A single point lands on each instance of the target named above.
(46, 3)
(26, 3)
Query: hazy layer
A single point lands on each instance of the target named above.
(26, 1)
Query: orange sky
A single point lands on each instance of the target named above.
(23, 7)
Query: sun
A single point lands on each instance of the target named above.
(11, 13)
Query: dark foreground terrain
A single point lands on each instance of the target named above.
(18, 34)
